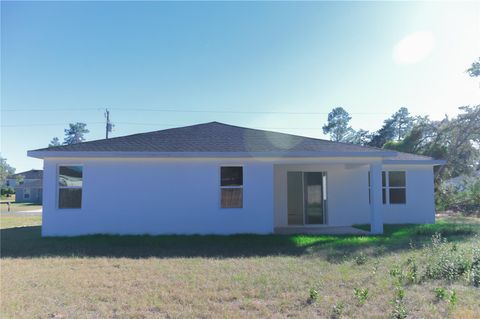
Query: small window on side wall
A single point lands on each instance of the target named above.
(397, 187)
(70, 183)
(231, 186)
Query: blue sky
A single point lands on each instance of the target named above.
(65, 62)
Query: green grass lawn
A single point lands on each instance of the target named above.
(229, 276)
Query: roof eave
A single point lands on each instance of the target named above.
(415, 162)
(65, 154)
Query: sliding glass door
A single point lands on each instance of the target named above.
(306, 198)
(313, 197)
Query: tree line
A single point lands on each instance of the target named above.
(456, 140)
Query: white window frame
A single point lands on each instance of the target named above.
(387, 187)
(387, 182)
(68, 187)
(230, 187)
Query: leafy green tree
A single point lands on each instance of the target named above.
(474, 70)
(360, 137)
(338, 125)
(394, 128)
(75, 133)
(5, 171)
(54, 142)
(455, 140)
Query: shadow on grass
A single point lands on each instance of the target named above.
(26, 242)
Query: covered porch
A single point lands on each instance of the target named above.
(328, 196)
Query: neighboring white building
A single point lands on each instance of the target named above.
(215, 178)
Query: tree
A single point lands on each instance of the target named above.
(338, 125)
(403, 123)
(360, 137)
(75, 133)
(394, 128)
(474, 70)
(5, 170)
(383, 135)
(455, 140)
(54, 142)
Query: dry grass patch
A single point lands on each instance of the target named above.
(215, 276)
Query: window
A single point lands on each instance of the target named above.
(231, 186)
(70, 182)
(26, 195)
(395, 188)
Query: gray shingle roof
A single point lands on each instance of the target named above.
(215, 137)
(31, 174)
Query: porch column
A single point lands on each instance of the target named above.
(376, 221)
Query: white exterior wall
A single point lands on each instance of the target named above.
(347, 194)
(182, 196)
(171, 196)
(420, 206)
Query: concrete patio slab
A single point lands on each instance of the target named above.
(340, 230)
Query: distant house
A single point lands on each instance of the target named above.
(459, 181)
(215, 178)
(28, 185)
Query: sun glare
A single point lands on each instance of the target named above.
(414, 48)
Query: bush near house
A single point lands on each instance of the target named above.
(5, 191)
(465, 199)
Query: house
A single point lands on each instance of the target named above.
(27, 185)
(215, 178)
(458, 183)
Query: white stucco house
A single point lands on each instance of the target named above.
(215, 178)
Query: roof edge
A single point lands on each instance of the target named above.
(416, 162)
(49, 154)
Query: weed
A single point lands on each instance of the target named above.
(411, 271)
(313, 295)
(440, 293)
(453, 298)
(475, 274)
(361, 259)
(361, 294)
(338, 309)
(399, 309)
(395, 271)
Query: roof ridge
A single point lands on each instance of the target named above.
(307, 137)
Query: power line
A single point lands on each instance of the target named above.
(172, 110)
(151, 124)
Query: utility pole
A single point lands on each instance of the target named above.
(108, 125)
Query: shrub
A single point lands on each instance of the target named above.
(7, 191)
(464, 197)
(446, 261)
